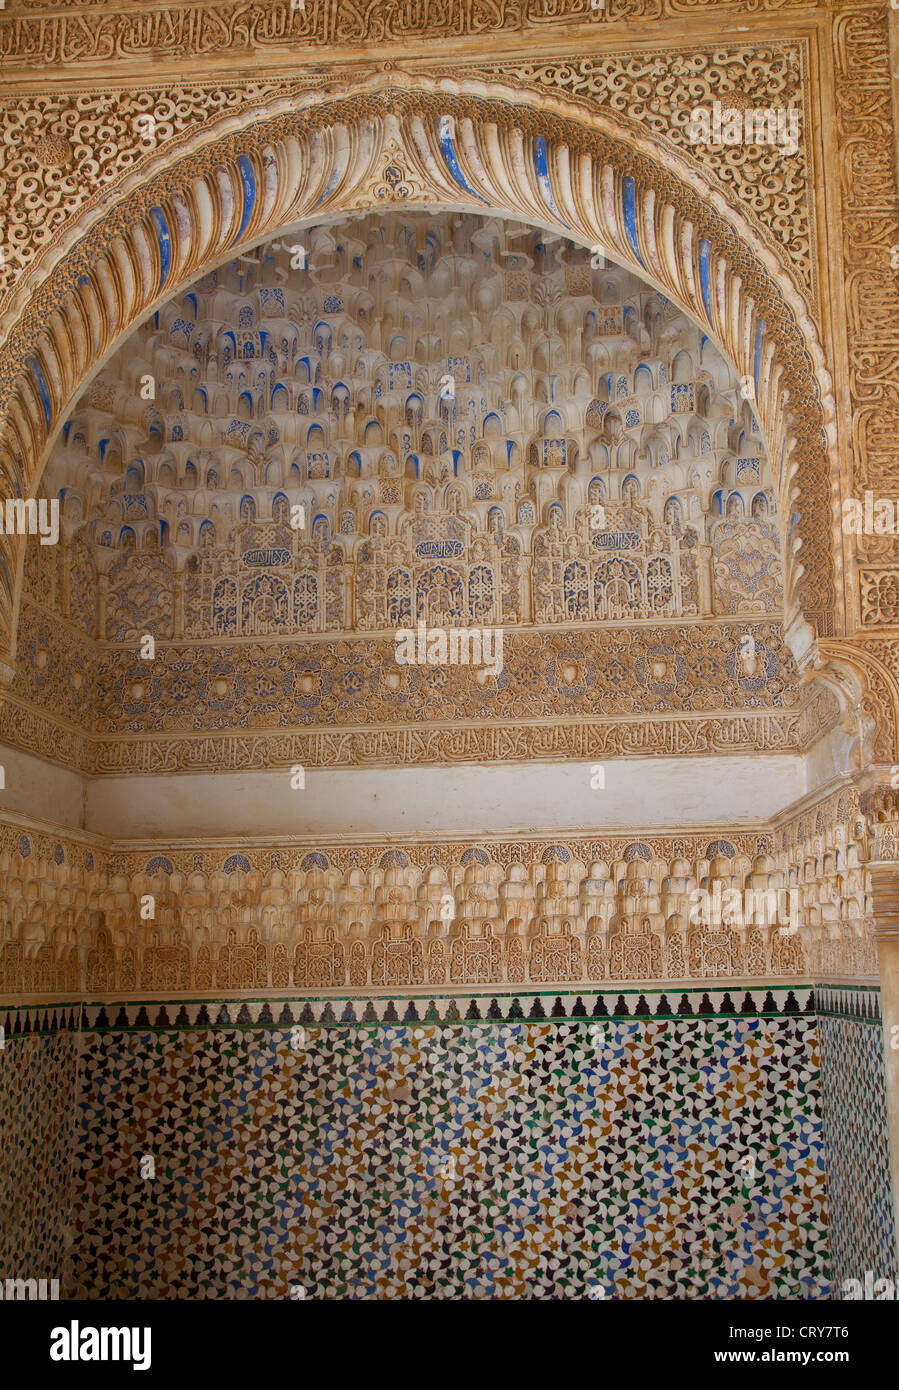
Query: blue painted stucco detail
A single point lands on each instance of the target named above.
(35, 368)
(164, 241)
(757, 359)
(340, 164)
(705, 251)
(445, 133)
(630, 216)
(248, 193)
(542, 167)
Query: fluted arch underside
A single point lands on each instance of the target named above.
(426, 146)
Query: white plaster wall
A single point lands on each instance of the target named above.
(831, 757)
(40, 789)
(650, 793)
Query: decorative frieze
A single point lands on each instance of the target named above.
(423, 916)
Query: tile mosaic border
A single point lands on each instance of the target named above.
(861, 1003)
(348, 1010)
(40, 1021)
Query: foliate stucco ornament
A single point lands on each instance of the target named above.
(880, 806)
(397, 182)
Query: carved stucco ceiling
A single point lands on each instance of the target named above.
(484, 429)
(449, 397)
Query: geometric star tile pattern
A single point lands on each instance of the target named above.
(855, 1133)
(37, 1104)
(499, 1159)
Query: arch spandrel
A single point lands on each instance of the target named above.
(432, 148)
